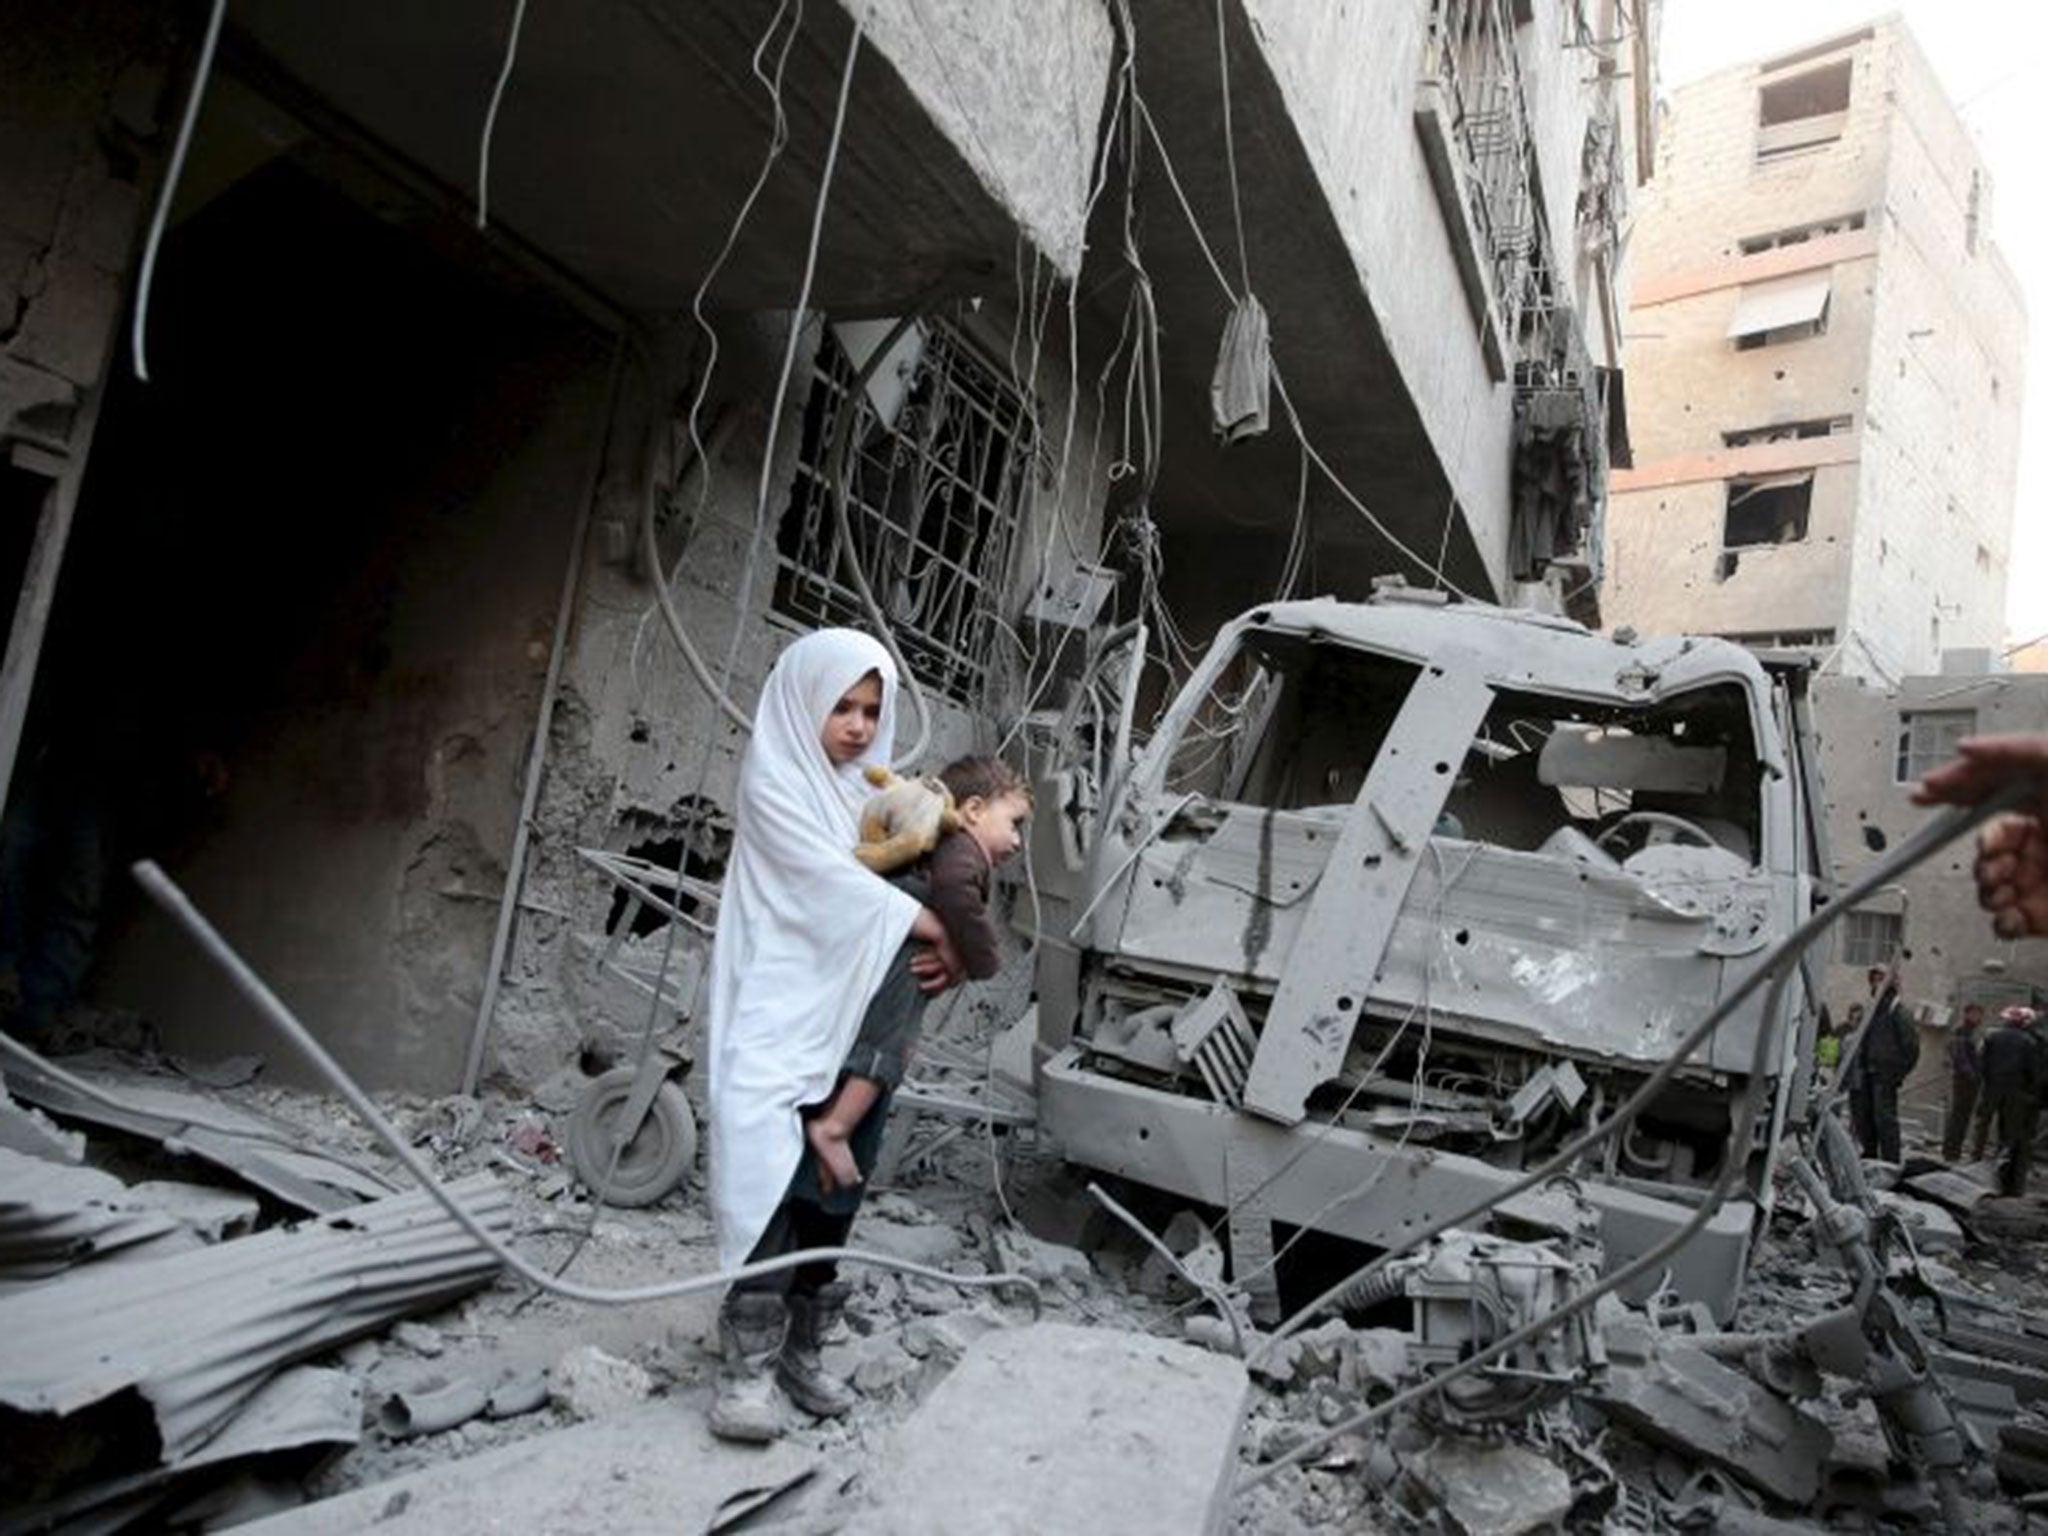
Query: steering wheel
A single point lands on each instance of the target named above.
(1683, 830)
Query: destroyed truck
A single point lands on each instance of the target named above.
(1399, 895)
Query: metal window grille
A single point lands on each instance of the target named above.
(1472, 55)
(1871, 938)
(933, 500)
(1928, 738)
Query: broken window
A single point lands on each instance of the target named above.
(936, 468)
(1786, 432)
(1799, 234)
(1767, 511)
(1803, 111)
(1785, 309)
(1871, 938)
(1540, 766)
(1290, 723)
(1928, 738)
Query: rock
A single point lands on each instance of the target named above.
(1058, 1428)
(882, 1363)
(420, 1339)
(930, 1245)
(1189, 1240)
(1037, 1259)
(1492, 1490)
(948, 1335)
(1314, 1352)
(587, 1383)
(1934, 1229)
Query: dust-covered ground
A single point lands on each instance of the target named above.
(975, 1202)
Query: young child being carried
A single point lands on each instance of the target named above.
(991, 802)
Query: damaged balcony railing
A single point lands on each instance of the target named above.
(1474, 124)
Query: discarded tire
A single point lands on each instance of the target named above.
(654, 1162)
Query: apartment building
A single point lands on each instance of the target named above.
(1825, 363)
(489, 349)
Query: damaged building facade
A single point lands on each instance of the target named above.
(1826, 365)
(1877, 743)
(361, 613)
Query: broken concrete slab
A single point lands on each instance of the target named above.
(1673, 1394)
(655, 1468)
(1492, 1489)
(1957, 1191)
(1057, 1428)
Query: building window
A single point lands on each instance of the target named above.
(1871, 938)
(936, 476)
(1799, 234)
(1788, 431)
(1787, 640)
(1928, 738)
(1803, 111)
(1767, 511)
(1784, 309)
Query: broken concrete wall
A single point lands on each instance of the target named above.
(1953, 954)
(81, 112)
(642, 756)
(354, 611)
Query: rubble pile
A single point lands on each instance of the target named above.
(1884, 1368)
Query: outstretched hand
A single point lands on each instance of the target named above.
(2012, 851)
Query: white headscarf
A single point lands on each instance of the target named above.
(804, 932)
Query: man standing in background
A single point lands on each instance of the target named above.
(1965, 1077)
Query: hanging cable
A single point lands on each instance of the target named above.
(483, 149)
(146, 277)
(281, 1019)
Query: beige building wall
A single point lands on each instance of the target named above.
(1913, 471)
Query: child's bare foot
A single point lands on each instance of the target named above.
(836, 1167)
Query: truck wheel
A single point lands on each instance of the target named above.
(654, 1162)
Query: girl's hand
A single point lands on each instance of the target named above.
(939, 967)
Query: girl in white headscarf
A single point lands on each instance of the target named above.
(805, 936)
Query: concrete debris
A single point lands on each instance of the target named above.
(1144, 1439)
(1491, 1489)
(421, 1338)
(1674, 1394)
(1934, 1230)
(588, 1383)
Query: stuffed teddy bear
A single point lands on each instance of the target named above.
(903, 821)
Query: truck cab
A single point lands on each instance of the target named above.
(1400, 894)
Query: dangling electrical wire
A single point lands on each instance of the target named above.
(146, 275)
(483, 149)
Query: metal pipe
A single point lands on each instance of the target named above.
(536, 758)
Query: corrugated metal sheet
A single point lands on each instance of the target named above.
(53, 1215)
(305, 1409)
(267, 1154)
(196, 1335)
